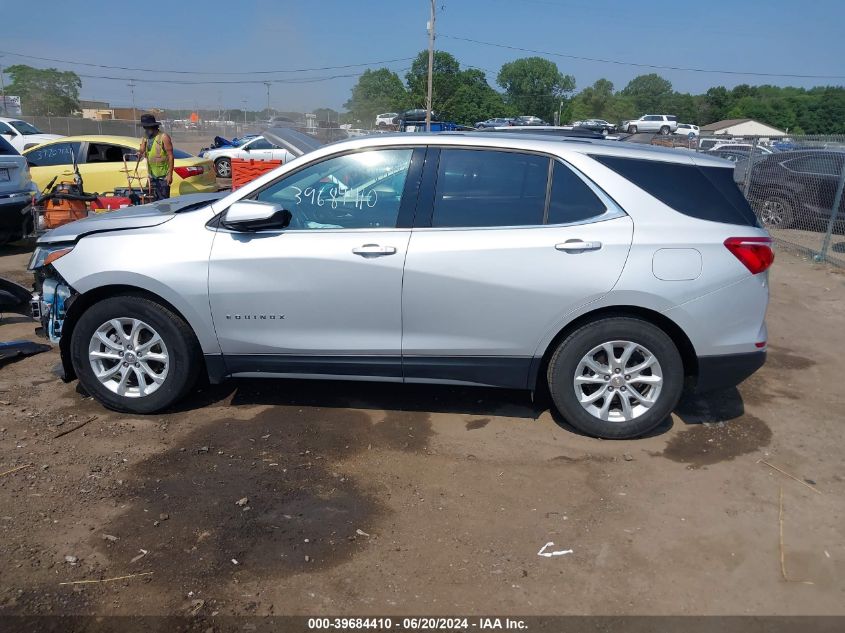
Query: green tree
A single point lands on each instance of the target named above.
(445, 79)
(647, 92)
(474, 99)
(44, 91)
(535, 86)
(377, 91)
(593, 101)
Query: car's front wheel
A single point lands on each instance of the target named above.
(223, 167)
(632, 129)
(134, 355)
(618, 377)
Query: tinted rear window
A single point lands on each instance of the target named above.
(707, 193)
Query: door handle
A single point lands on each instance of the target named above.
(373, 250)
(577, 246)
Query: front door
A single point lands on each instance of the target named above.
(324, 295)
(505, 258)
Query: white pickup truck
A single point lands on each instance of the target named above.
(662, 123)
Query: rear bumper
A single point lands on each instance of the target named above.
(728, 370)
(11, 218)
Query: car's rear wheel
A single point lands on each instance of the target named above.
(134, 355)
(664, 130)
(632, 129)
(618, 377)
(223, 168)
(776, 212)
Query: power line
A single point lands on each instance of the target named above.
(652, 66)
(302, 80)
(202, 72)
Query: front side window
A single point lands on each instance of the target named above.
(260, 143)
(354, 191)
(5, 129)
(53, 154)
(483, 188)
(572, 200)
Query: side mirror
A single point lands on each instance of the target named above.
(246, 149)
(251, 216)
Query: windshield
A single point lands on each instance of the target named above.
(25, 128)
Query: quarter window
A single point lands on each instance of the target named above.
(482, 188)
(572, 200)
(353, 191)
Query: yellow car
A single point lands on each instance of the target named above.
(100, 161)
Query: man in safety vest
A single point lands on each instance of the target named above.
(158, 150)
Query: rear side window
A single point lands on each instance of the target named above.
(706, 193)
(571, 199)
(481, 188)
(6, 148)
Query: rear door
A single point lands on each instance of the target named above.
(103, 169)
(505, 246)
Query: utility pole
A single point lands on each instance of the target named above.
(131, 85)
(430, 68)
(267, 83)
(3, 90)
(243, 101)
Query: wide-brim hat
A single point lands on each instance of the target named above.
(148, 120)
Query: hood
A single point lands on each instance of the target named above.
(139, 217)
(296, 142)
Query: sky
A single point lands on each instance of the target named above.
(221, 36)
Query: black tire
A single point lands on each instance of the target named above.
(182, 347)
(664, 130)
(566, 358)
(776, 211)
(632, 129)
(223, 168)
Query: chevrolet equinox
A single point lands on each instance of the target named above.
(615, 274)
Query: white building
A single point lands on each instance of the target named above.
(741, 127)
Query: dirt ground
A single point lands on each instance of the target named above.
(295, 497)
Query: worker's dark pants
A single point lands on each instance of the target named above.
(160, 188)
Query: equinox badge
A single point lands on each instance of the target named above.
(255, 317)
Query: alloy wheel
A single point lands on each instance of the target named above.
(618, 381)
(128, 357)
(224, 168)
(772, 212)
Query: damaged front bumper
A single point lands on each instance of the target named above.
(49, 306)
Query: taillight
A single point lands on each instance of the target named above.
(754, 252)
(188, 172)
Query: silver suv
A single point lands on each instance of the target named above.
(660, 123)
(613, 274)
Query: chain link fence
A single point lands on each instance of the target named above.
(181, 132)
(794, 184)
